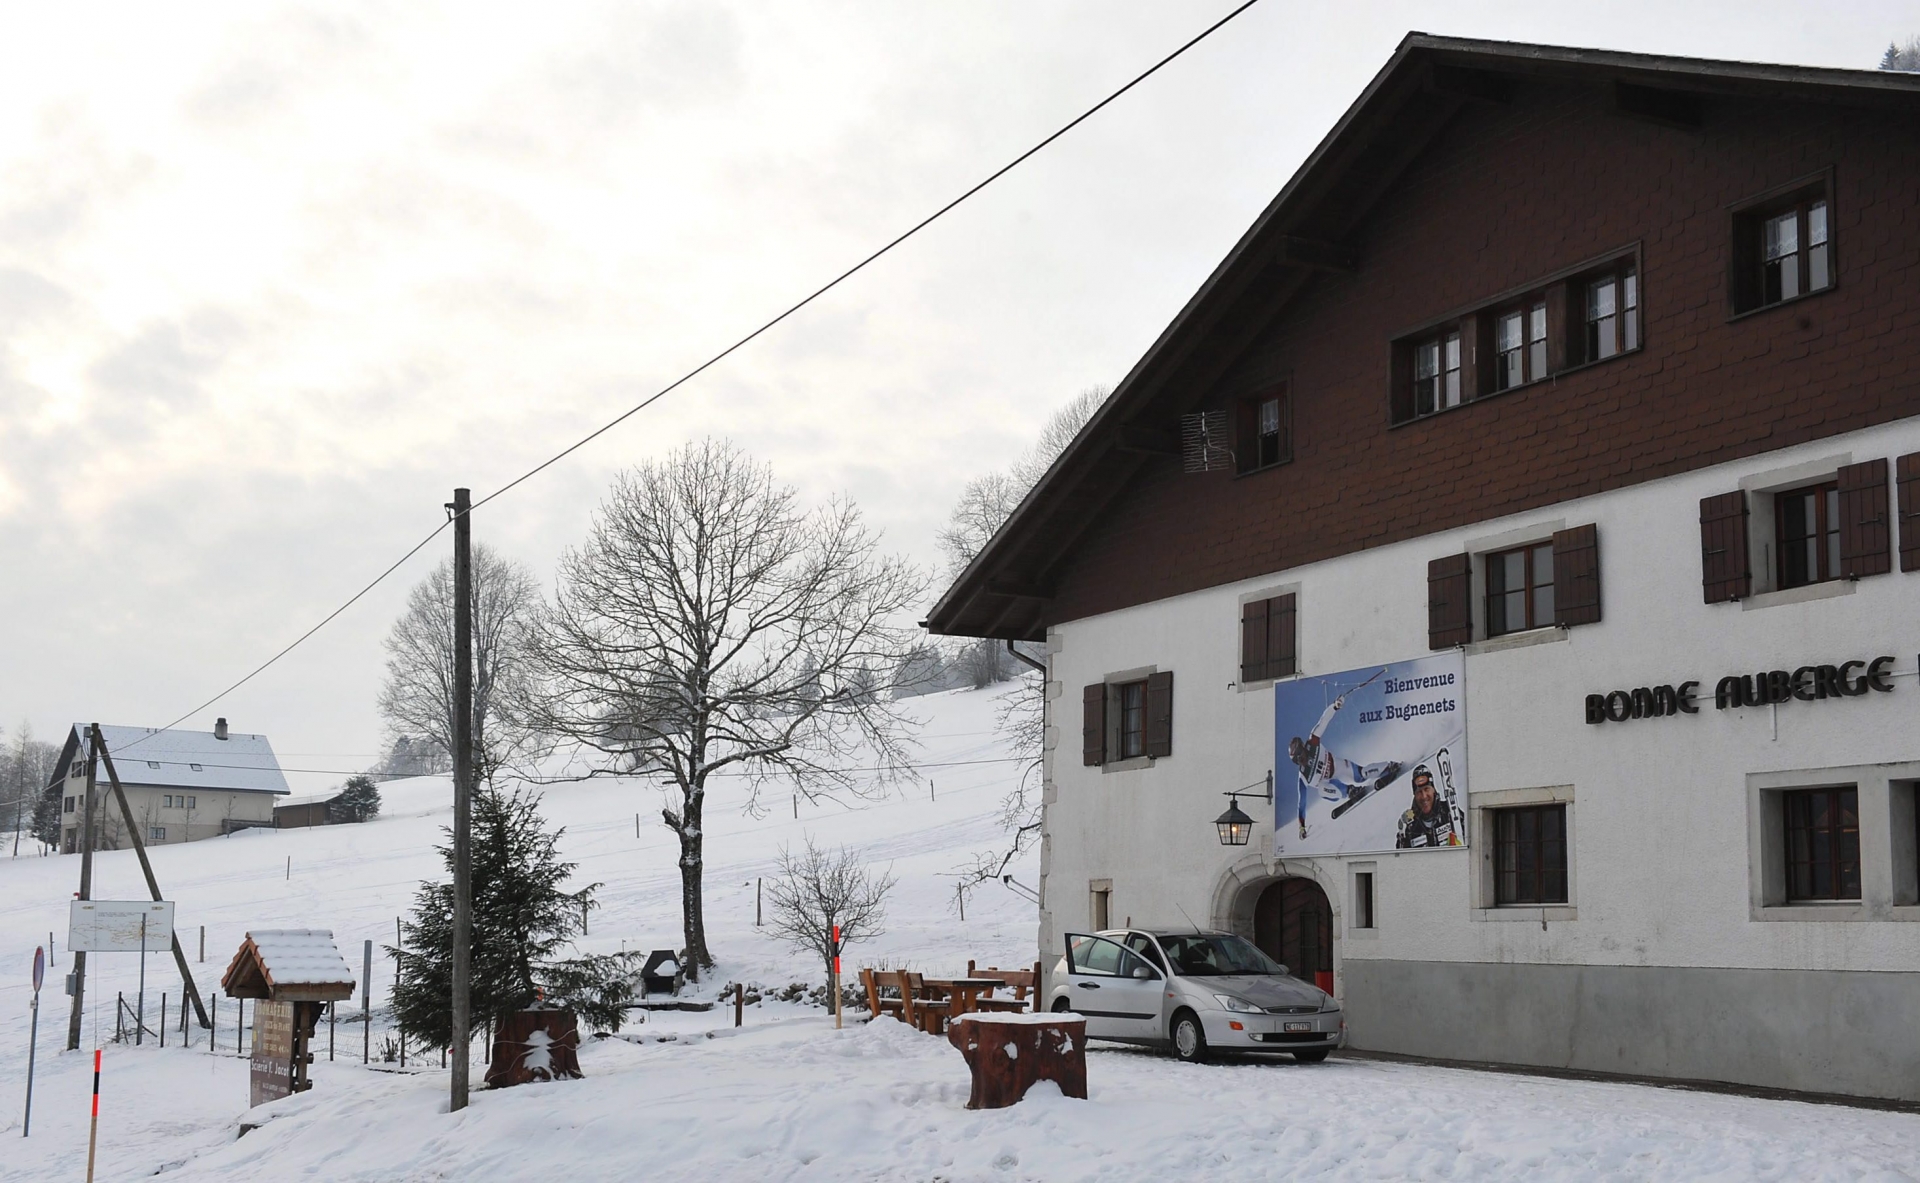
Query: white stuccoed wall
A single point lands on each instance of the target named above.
(1659, 863)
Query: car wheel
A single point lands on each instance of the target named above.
(1189, 1038)
(1311, 1056)
(1061, 1006)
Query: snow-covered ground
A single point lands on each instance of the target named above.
(787, 1096)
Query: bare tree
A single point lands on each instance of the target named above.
(710, 624)
(988, 501)
(984, 507)
(417, 700)
(818, 889)
(1900, 56)
(26, 767)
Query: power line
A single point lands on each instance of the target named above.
(202, 766)
(696, 371)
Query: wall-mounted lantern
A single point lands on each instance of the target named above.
(1234, 825)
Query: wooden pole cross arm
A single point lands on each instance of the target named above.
(153, 885)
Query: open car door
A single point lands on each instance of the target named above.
(1118, 992)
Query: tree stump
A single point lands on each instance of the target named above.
(540, 1043)
(1009, 1053)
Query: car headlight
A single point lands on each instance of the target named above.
(1240, 1005)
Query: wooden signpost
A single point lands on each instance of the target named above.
(293, 973)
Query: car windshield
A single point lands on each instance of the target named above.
(1200, 955)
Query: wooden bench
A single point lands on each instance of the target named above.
(920, 1012)
(878, 1005)
(1025, 984)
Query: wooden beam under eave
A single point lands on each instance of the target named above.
(1152, 441)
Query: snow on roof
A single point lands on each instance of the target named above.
(188, 759)
(300, 957)
(309, 799)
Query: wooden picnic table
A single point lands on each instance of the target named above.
(964, 994)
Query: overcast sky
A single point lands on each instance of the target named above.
(274, 279)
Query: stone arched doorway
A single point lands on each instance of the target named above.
(1293, 924)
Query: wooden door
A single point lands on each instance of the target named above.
(1293, 924)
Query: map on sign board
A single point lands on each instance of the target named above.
(114, 926)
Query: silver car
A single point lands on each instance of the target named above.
(1193, 992)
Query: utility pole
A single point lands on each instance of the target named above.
(85, 893)
(462, 792)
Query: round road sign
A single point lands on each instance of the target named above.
(39, 967)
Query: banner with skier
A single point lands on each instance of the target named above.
(1372, 759)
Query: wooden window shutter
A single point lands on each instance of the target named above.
(1093, 726)
(1576, 576)
(1400, 383)
(1246, 435)
(1160, 714)
(1253, 640)
(1866, 533)
(1474, 329)
(1724, 572)
(1560, 330)
(1450, 601)
(1282, 653)
(1907, 476)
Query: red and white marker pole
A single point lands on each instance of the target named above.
(836, 977)
(93, 1135)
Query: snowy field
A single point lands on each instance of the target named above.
(787, 1096)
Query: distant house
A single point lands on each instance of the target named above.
(181, 785)
(316, 809)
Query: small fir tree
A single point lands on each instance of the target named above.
(359, 800)
(521, 921)
(46, 816)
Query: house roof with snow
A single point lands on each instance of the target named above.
(176, 759)
(288, 964)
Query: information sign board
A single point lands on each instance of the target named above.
(113, 926)
(271, 1071)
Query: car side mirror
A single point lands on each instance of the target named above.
(1285, 971)
(1143, 973)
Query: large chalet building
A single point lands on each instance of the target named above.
(1529, 509)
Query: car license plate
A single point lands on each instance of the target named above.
(1298, 1027)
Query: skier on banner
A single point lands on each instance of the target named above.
(1428, 823)
(1318, 767)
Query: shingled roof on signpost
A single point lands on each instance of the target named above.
(289, 965)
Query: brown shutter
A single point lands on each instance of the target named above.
(1093, 726)
(1576, 576)
(1559, 332)
(1246, 435)
(1400, 383)
(1724, 574)
(1160, 714)
(1866, 536)
(1907, 476)
(1449, 601)
(1282, 659)
(1253, 640)
(1473, 329)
